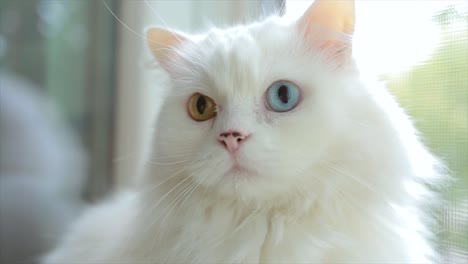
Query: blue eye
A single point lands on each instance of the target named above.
(282, 96)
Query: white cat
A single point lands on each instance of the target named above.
(269, 149)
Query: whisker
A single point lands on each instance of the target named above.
(186, 193)
(153, 187)
(129, 28)
(124, 157)
(162, 20)
(169, 163)
(161, 200)
(171, 205)
(176, 156)
(349, 175)
(176, 200)
(197, 184)
(165, 195)
(248, 219)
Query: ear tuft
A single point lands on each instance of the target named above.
(328, 26)
(162, 43)
(336, 15)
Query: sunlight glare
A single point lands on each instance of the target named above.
(391, 36)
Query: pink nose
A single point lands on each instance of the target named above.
(232, 140)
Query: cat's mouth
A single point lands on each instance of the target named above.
(239, 170)
(236, 168)
(239, 167)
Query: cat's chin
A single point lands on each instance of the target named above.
(246, 185)
(244, 178)
(240, 171)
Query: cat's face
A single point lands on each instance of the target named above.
(251, 110)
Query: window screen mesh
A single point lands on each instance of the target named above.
(435, 94)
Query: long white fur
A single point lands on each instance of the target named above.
(339, 179)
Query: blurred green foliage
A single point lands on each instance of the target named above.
(67, 57)
(435, 94)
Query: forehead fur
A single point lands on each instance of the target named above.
(242, 60)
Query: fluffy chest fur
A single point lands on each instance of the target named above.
(232, 234)
(225, 232)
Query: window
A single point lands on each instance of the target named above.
(67, 48)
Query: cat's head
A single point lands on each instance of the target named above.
(253, 108)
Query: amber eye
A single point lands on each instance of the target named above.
(201, 107)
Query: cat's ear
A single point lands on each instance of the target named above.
(330, 24)
(163, 44)
(337, 15)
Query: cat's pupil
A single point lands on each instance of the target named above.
(201, 104)
(283, 94)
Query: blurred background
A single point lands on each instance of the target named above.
(78, 91)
